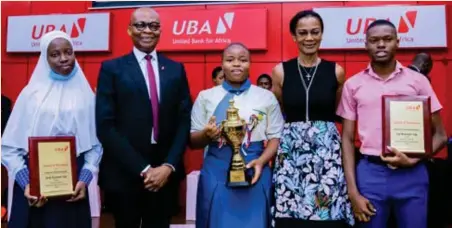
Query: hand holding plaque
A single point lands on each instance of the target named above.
(233, 130)
(34, 201)
(407, 125)
(52, 166)
(398, 159)
(79, 192)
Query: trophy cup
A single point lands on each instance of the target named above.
(233, 130)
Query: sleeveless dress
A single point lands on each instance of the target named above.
(219, 206)
(309, 181)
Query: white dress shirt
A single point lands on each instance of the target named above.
(143, 66)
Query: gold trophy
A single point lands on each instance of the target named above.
(233, 130)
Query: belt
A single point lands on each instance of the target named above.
(377, 160)
(374, 159)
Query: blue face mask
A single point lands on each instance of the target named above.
(59, 77)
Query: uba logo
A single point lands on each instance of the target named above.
(192, 27)
(413, 107)
(77, 28)
(360, 25)
(62, 149)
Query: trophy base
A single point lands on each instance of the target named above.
(238, 184)
(237, 179)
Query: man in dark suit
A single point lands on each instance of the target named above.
(422, 63)
(143, 121)
(6, 111)
(438, 169)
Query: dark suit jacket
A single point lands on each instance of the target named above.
(124, 121)
(6, 111)
(417, 70)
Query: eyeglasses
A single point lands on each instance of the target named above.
(153, 26)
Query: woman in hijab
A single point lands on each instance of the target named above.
(219, 206)
(57, 101)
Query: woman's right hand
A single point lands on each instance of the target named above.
(362, 208)
(211, 130)
(34, 201)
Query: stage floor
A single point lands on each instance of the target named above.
(106, 221)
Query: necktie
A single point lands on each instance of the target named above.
(154, 96)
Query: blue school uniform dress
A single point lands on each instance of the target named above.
(219, 206)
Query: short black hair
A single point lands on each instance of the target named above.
(381, 22)
(303, 14)
(216, 71)
(423, 57)
(264, 76)
(424, 62)
(235, 44)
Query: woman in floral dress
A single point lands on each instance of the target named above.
(310, 189)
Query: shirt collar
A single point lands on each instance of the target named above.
(398, 70)
(140, 55)
(415, 68)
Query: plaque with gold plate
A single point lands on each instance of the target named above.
(52, 166)
(406, 125)
(233, 130)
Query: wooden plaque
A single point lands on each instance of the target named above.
(52, 166)
(407, 124)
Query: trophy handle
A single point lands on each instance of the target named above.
(245, 126)
(221, 126)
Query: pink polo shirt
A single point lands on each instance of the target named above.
(361, 101)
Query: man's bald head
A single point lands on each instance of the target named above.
(423, 61)
(422, 57)
(143, 12)
(144, 29)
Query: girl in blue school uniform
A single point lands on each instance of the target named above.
(220, 206)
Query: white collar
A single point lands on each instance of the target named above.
(417, 68)
(140, 55)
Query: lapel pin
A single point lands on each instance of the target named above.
(163, 67)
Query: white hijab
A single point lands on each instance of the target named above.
(48, 107)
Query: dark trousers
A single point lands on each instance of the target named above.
(130, 210)
(440, 191)
(138, 206)
(405, 190)
(439, 211)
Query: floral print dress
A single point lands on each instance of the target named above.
(309, 180)
(308, 177)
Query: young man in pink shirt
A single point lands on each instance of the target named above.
(378, 184)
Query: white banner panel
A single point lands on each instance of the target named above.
(89, 32)
(417, 26)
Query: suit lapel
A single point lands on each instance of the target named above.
(165, 78)
(136, 74)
